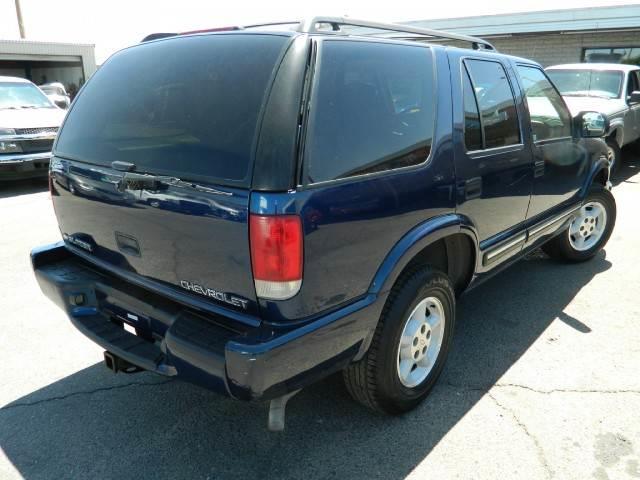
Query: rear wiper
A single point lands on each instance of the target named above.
(144, 181)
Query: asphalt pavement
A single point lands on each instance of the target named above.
(542, 382)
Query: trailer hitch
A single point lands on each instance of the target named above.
(117, 364)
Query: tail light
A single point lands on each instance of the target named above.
(276, 255)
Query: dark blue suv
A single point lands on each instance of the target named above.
(253, 210)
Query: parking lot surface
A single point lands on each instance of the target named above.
(542, 382)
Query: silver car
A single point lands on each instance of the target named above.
(609, 88)
(57, 94)
(29, 123)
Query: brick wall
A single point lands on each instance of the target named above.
(552, 49)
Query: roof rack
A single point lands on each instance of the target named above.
(312, 26)
(315, 25)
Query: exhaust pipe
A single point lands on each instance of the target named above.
(117, 364)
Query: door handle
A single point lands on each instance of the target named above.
(538, 169)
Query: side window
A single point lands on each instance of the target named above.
(549, 116)
(472, 128)
(634, 82)
(372, 109)
(495, 100)
(630, 83)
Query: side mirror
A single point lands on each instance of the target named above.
(592, 124)
(634, 97)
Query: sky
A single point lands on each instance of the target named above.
(114, 24)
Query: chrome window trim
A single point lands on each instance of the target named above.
(495, 151)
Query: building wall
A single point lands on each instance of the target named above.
(49, 51)
(552, 48)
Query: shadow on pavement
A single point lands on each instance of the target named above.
(630, 165)
(23, 187)
(94, 425)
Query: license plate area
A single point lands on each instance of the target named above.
(133, 323)
(129, 328)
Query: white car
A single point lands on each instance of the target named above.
(609, 88)
(57, 94)
(29, 122)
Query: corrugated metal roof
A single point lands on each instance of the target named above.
(38, 42)
(570, 20)
(29, 47)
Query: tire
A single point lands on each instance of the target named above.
(375, 380)
(565, 247)
(615, 156)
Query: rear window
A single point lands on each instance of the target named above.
(187, 107)
(372, 109)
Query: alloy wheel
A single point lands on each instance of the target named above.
(588, 227)
(420, 342)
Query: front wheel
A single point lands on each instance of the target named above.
(614, 155)
(409, 346)
(590, 230)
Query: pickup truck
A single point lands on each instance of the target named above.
(255, 209)
(29, 122)
(609, 88)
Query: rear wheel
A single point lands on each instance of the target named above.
(588, 232)
(409, 346)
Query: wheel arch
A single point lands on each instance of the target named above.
(616, 132)
(599, 174)
(448, 242)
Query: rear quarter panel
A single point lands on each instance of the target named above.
(351, 225)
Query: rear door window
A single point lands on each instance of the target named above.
(372, 109)
(472, 127)
(187, 106)
(495, 100)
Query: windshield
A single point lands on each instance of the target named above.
(587, 83)
(187, 107)
(22, 95)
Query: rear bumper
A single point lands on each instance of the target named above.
(213, 351)
(24, 165)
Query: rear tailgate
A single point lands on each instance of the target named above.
(184, 111)
(193, 239)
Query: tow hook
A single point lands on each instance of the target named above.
(117, 364)
(277, 408)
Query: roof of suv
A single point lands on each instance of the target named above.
(595, 66)
(335, 25)
(259, 30)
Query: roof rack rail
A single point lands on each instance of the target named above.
(312, 26)
(157, 36)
